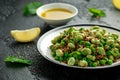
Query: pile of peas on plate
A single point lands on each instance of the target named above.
(86, 47)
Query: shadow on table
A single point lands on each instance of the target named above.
(16, 65)
(58, 72)
(45, 28)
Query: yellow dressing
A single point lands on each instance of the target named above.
(57, 13)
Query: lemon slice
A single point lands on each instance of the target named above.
(116, 3)
(27, 35)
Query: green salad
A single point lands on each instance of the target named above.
(86, 47)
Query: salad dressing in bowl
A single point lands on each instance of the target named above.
(57, 13)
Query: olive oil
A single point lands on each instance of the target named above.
(57, 13)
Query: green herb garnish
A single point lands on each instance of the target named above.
(30, 9)
(13, 59)
(97, 12)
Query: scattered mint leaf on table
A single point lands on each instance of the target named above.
(13, 59)
(97, 12)
(30, 9)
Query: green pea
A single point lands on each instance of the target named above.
(52, 48)
(65, 56)
(103, 42)
(71, 45)
(88, 61)
(95, 41)
(63, 43)
(102, 62)
(71, 55)
(59, 52)
(110, 41)
(116, 55)
(103, 31)
(109, 53)
(77, 52)
(87, 43)
(112, 46)
(95, 64)
(62, 34)
(91, 57)
(92, 47)
(53, 54)
(111, 57)
(101, 50)
(98, 62)
(75, 56)
(71, 29)
(81, 29)
(71, 61)
(110, 62)
(60, 58)
(86, 51)
(56, 39)
(87, 46)
(115, 36)
(95, 27)
(80, 57)
(91, 33)
(80, 50)
(56, 57)
(57, 45)
(71, 40)
(107, 47)
(116, 45)
(101, 45)
(105, 58)
(98, 35)
(119, 47)
(75, 33)
(83, 35)
(116, 50)
(83, 63)
(81, 42)
(78, 38)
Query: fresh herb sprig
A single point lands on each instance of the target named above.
(30, 9)
(97, 13)
(13, 59)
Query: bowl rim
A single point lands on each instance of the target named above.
(50, 4)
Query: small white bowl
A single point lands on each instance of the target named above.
(58, 22)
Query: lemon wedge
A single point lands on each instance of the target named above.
(27, 35)
(116, 3)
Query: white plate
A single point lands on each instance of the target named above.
(45, 41)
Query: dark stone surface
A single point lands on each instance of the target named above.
(11, 17)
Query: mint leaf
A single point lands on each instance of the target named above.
(30, 9)
(14, 59)
(97, 12)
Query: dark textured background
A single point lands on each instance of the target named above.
(11, 17)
